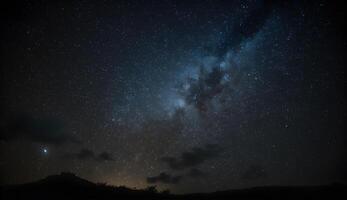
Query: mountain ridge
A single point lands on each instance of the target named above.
(69, 186)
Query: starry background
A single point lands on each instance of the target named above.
(190, 96)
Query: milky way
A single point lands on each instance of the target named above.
(188, 96)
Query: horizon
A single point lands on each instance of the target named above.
(170, 192)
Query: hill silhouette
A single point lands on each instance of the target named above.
(68, 186)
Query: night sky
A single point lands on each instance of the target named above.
(191, 96)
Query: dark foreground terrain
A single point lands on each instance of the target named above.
(69, 186)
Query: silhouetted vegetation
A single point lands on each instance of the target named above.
(69, 186)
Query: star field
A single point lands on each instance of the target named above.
(191, 96)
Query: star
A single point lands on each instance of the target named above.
(45, 151)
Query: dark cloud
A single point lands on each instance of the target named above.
(192, 158)
(202, 90)
(104, 156)
(254, 172)
(170, 179)
(196, 173)
(43, 130)
(86, 154)
(164, 178)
